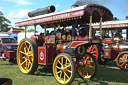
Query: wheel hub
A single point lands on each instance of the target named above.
(86, 66)
(63, 69)
(125, 61)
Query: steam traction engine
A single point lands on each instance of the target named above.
(114, 46)
(63, 48)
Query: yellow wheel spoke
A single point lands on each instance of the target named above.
(30, 55)
(66, 75)
(66, 62)
(30, 62)
(60, 63)
(57, 67)
(60, 74)
(69, 71)
(67, 66)
(32, 59)
(22, 52)
(29, 47)
(62, 60)
(64, 78)
(23, 62)
(23, 57)
(26, 46)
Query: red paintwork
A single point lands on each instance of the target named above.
(109, 41)
(74, 44)
(50, 39)
(35, 38)
(81, 38)
(50, 52)
(42, 55)
(109, 54)
(10, 54)
(61, 47)
(38, 39)
(45, 55)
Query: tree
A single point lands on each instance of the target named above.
(4, 23)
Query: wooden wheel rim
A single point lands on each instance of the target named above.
(88, 68)
(61, 67)
(25, 56)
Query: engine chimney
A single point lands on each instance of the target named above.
(126, 17)
(42, 11)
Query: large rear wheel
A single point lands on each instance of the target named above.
(122, 60)
(64, 69)
(27, 56)
(87, 66)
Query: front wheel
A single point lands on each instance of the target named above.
(64, 69)
(122, 61)
(87, 66)
(27, 56)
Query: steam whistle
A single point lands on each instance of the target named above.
(42, 11)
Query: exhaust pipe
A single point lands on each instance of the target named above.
(42, 11)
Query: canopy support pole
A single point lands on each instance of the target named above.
(90, 28)
(54, 28)
(34, 29)
(101, 32)
(74, 25)
(44, 30)
(25, 30)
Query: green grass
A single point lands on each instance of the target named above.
(108, 74)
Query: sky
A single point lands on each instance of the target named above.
(16, 10)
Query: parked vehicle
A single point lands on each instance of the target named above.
(114, 44)
(8, 48)
(64, 50)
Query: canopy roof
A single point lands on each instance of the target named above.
(112, 24)
(65, 18)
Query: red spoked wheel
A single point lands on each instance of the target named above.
(122, 60)
(94, 49)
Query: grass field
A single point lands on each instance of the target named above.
(108, 74)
